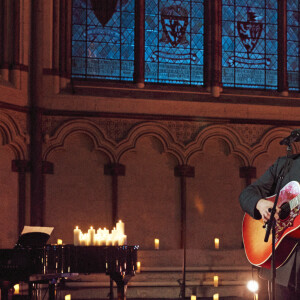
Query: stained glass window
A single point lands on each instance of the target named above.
(249, 43)
(293, 43)
(103, 39)
(174, 41)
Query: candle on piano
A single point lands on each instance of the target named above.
(216, 297)
(122, 240)
(156, 244)
(138, 265)
(16, 289)
(83, 239)
(193, 297)
(216, 281)
(217, 243)
(114, 237)
(91, 236)
(120, 226)
(77, 232)
(59, 242)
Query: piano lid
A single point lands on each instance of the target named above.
(34, 236)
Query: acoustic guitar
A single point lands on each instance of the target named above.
(287, 231)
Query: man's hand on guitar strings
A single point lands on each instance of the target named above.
(265, 207)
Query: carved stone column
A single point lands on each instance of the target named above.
(139, 44)
(35, 94)
(183, 171)
(115, 170)
(21, 166)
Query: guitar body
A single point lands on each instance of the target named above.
(258, 251)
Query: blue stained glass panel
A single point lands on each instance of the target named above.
(249, 43)
(174, 41)
(103, 41)
(293, 44)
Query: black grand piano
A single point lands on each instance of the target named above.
(30, 262)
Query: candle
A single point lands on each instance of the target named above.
(77, 236)
(16, 289)
(83, 239)
(216, 281)
(108, 240)
(156, 244)
(217, 243)
(255, 296)
(120, 226)
(122, 240)
(59, 242)
(138, 265)
(193, 297)
(91, 236)
(216, 297)
(68, 297)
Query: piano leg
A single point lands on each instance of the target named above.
(7, 291)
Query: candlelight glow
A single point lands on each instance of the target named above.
(216, 281)
(156, 244)
(252, 286)
(68, 297)
(216, 297)
(217, 243)
(59, 242)
(16, 289)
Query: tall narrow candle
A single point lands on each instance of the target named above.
(216, 281)
(91, 236)
(217, 243)
(156, 244)
(77, 236)
(120, 228)
(255, 296)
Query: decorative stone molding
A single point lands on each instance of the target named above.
(182, 140)
(12, 136)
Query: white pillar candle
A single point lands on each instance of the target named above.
(114, 237)
(77, 232)
(83, 239)
(217, 243)
(108, 240)
(122, 240)
(216, 297)
(120, 226)
(156, 244)
(216, 281)
(91, 236)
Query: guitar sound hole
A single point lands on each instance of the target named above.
(285, 211)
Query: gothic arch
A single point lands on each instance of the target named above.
(87, 127)
(226, 134)
(271, 135)
(153, 129)
(12, 137)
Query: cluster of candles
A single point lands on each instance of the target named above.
(101, 237)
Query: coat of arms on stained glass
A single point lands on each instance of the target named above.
(249, 32)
